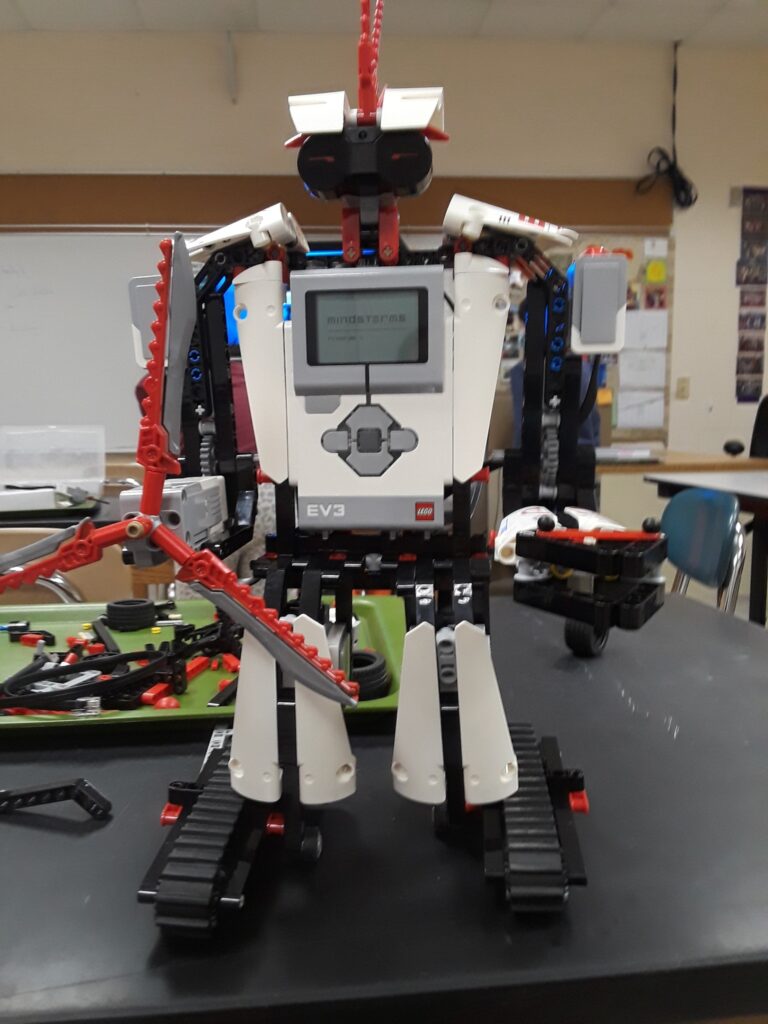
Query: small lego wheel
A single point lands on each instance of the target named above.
(369, 671)
(131, 614)
(584, 640)
(546, 524)
(311, 844)
(651, 525)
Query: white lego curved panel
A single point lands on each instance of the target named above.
(326, 764)
(481, 304)
(273, 225)
(417, 755)
(466, 218)
(319, 113)
(490, 765)
(254, 767)
(403, 109)
(259, 295)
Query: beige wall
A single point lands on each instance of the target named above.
(159, 102)
(723, 142)
(152, 103)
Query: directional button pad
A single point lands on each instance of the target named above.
(369, 440)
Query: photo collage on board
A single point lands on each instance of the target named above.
(751, 279)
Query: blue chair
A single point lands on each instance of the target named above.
(705, 542)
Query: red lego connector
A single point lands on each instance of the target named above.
(170, 814)
(579, 802)
(230, 662)
(197, 665)
(154, 693)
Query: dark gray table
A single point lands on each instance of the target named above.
(671, 728)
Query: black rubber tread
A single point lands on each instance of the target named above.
(535, 876)
(196, 872)
(131, 614)
(369, 671)
(584, 640)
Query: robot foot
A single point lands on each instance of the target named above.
(529, 844)
(201, 870)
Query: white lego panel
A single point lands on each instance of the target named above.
(319, 113)
(490, 765)
(259, 295)
(275, 225)
(481, 300)
(254, 767)
(326, 763)
(412, 109)
(417, 757)
(420, 474)
(521, 519)
(466, 218)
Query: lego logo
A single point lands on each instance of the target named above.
(425, 511)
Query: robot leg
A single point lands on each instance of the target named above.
(323, 754)
(490, 765)
(417, 760)
(254, 764)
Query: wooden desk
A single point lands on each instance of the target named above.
(682, 462)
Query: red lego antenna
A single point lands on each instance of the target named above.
(368, 61)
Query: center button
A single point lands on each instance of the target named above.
(369, 440)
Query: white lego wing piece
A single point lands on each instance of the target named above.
(275, 225)
(326, 764)
(319, 113)
(417, 757)
(417, 109)
(466, 218)
(490, 765)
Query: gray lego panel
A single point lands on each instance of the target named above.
(357, 512)
(599, 292)
(369, 440)
(335, 379)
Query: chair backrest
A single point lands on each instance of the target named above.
(701, 530)
(758, 447)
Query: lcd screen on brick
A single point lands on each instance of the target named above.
(366, 326)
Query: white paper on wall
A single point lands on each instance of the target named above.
(642, 368)
(656, 248)
(646, 328)
(640, 410)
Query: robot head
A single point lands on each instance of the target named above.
(382, 147)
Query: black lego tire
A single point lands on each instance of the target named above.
(584, 640)
(131, 614)
(369, 671)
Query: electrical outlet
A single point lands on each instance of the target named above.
(683, 388)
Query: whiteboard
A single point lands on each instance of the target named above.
(65, 330)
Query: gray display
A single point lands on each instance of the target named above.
(366, 326)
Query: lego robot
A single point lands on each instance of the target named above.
(371, 375)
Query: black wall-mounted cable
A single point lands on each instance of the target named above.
(665, 166)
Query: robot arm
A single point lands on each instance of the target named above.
(273, 226)
(469, 218)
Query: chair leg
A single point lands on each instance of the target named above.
(680, 583)
(728, 594)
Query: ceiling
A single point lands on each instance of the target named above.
(706, 22)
